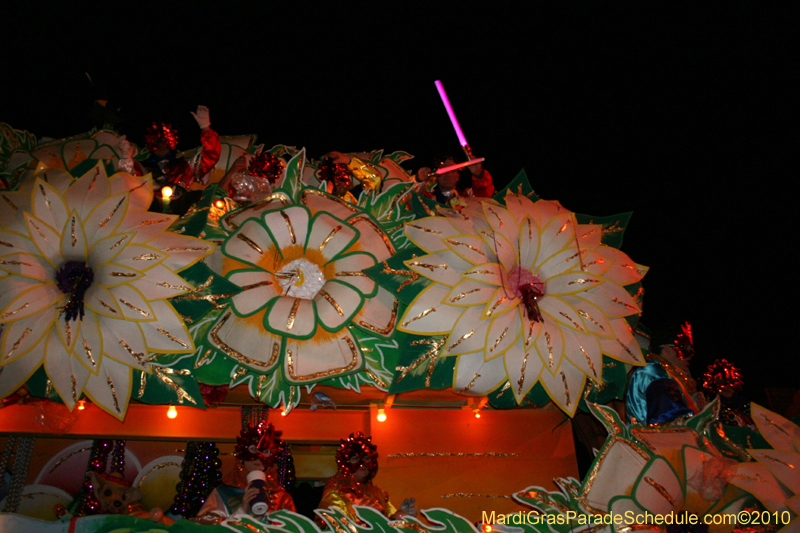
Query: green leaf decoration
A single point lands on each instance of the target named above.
(519, 185)
(212, 366)
(211, 291)
(615, 378)
(281, 149)
(394, 276)
(610, 420)
(399, 156)
(423, 207)
(202, 219)
(270, 389)
(88, 164)
(700, 421)
(389, 211)
(37, 386)
(292, 183)
(173, 383)
(614, 226)
(419, 365)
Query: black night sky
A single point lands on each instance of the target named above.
(684, 114)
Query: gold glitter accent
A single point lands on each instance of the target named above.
(451, 454)
(598, 261)
(68, 331)
(495, 306)
(142, 384)
(588, 317)
(113, 394)
(470, 495)
(385, 330)
(289, 226)
(471, 383)
(431, 355)
(46, 199)
(627, 350)
(776, 460)
(583, 281)
(63, 459)
(565, 315)
(538, 496)
(154, 469)
(204, 358)
(750, 478)
(530, 332)
(563, 227)
(472, 272)
(133, 307)
(88, 352)
(427, 266)
(492, 236)
(108, 306)
(292, 313)
(592, 475)
(350, 366)
(389, 270)
(74, 238)
(609, 419)
(249, 242)
(776, 426)
(580, 253)
(459, 243)
(610, 364)
(168, 335)
(151, 222)
(187, 249)
(328, 239)
(566, 388)
(241, 371)
(549, 348)
(464, 337)
(505, 387)
(612, 228)
(124, 274)
(38, 230)
(256, 285)
(147, 257)
(182, 395)
(661, 490)
(136, 355)
(233, 353)
(19, 341)
(15, 311)
(426, 230)
(48, 389)
(423, 314)
(350, 273)
(4, 243)
(7, 262)
(386, 240)
(499, 339)
(176, 287)
(118, 242)
(74, 388)
(521, 380)
(331, 301)
(499, 220)
(374, 376)
(458, 297)
(616, 300)
(108, 218)
(588, 360)
(10, 203)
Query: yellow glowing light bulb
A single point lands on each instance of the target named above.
(477, 413)
(81, 405)
(166, 193)
(172, 412)
(381, 415)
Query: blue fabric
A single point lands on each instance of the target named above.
(635, 395)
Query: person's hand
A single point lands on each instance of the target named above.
(249, 493)
(409, 506)
(476, 169)
(202, 117)
(125, 162)
(425, 175)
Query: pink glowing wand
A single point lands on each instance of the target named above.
(461, 139)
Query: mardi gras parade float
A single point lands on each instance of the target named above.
(169, 319)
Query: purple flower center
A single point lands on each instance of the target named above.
(530, 289)
(74, 278)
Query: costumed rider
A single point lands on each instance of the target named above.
(357, 461)
(256, 486)
(653, 397)
(338, 170)
(444, 187)
(252, 182)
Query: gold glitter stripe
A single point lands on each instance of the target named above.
(580, 253)
(68, 331)
(521, 380)
(459, 243)
(563, 227)
(39, 231)
(63, 459)
(423, 314)
(452, 454)
(154, 469)
(627, 350)
(583, 281)
(464, 337)
(7, 262)
(108, 306)
(15, 311)
(499, 339)
(187, 249)
(4, 243)
(204, 358)
(249, 242)
(235, 354)
(471, 383)
(151, 222)
(147, 257)
(492, 236)
(389, 270)
(426, 230)
(46, 199)
(74, 238)
(88, 351)
(139, 356)
(289, 226)
(118, 242)
(113, 393)
(427, 265)
(10, 203)
(331, 301)
(588, 360)
(458, 297)
(776, 460)
(292, 314)
(124, 274)
(588, 317)
(176, 287)
(374, 376)
(549, 347)
(473, 272)
(168, 335)
(74, 389)
(750, 478)
(19, 341)
(499, 220)
(660, 489)
(349, 273)
(495, 306)
(108, 219)
(773, 424)
(432, 355)
(328, 239)
(565, 315)
(256, 285)
(566, 388)
(598, 261)
(388, 328)
(133, 307)
(617, 301)
(334, 371)
(179, 392)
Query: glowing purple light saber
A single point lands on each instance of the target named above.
(443, 95)
(445, 170)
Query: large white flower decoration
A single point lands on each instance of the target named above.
(525, 294)
(87, 273)
(300, 268)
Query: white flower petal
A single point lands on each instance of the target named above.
(147, 225)
(167, 334)
(292, 316)
(307, 361)
(23, 335)
(336, 304)
(182, 251)
(622, 269)
(246, 341)
(429, 233)
(259, 287)
(16, 206)
(565, 386)
(67, 376)
(101, 301)
(472, 249)
(160, 283)
(89, 348)
(491, 273)
(124, 342)
(477, 377)
(110, 389)
(613, 300)
(558, 234)
(570, 283)
(319, 202)
(443, 267)
(29, 298)
(372, 238)
(46, 240)
(348, 269)
(288, 227)
(132, 303)
(110, 275)
(523, 368)
(549, 345)
(593, 319)
(501, 221)
(88, 191)
(138, 188)
(469, 333)
(73, 240)
(519, 206)
(589, 236)
(48, 205)
(379, 313)
(503, 333)
(27, 265)
(15, 373)
(469, 293)
(330, 236)
(251, 243)
(237, 218)
(659, 491)
(106, 217)
(427, 315)
(623, 345)
(583, 350)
